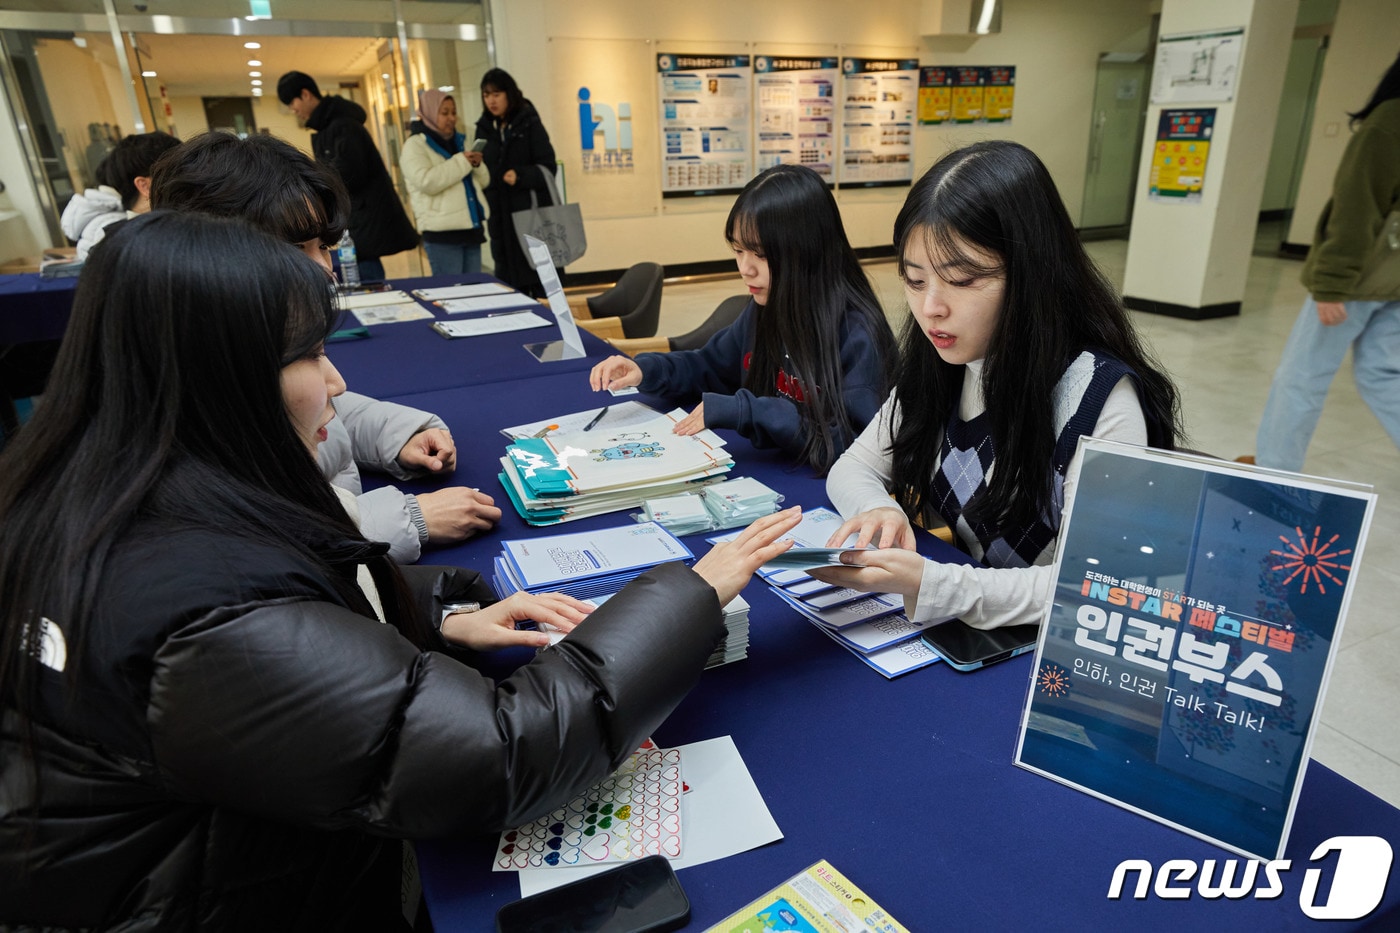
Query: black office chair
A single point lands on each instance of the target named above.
(635, 300)
(725, 314)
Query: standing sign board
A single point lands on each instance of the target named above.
(1195, 615)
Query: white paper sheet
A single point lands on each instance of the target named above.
(723, 815)
(475, 290)
(491, 324)
(487, 303)
(619, 415)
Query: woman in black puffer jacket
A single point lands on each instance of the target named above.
(518, 152)
(222, 707)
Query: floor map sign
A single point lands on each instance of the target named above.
(880, 97)
(705, 123)
(1180, 155)
(1196, 612)
(795, 112)
(935, 95)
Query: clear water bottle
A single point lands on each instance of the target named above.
(349, 267)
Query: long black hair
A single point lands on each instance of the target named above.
(498, 79)
(1387, 89)
(997, 197)
(787, 215)
(165, 407)
(262, 179)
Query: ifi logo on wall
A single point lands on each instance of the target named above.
(1359, 876)
(615, 128)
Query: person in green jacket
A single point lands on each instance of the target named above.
(1352, 275)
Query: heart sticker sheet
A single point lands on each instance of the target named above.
(634, 812)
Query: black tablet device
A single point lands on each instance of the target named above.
(634, 897)
(968, 648)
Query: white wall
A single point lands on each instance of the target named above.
(1054, 45)
(1365, 40)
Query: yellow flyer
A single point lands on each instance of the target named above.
(819, 900)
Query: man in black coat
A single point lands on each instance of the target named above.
(378, 224)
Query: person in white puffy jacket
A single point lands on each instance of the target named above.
(123, 189)
(442, 176)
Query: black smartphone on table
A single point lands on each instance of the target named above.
(967, 648)
(636, 897)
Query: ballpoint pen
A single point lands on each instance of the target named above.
(596, 418)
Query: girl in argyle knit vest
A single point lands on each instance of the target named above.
(1016, 346)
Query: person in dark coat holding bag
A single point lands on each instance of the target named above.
(518, 153)
(378, 224)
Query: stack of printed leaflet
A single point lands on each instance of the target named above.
(734, 646)
(872, 626)
(585, 564)
(566, 475)
(733, 503)
(595, 565)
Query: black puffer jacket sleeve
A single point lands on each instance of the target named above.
(302, 711)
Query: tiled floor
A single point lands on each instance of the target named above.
(1223, 368)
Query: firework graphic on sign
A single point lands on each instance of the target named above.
(1310, 560)
(1052, 680)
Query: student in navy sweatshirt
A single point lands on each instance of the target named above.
(805, 366)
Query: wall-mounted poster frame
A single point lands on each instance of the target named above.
(795, 112)
(1180, 155)
(969, 95)
(935, 95)
(1197, 67)
(879, 97)
(706, 129)
(604, 95)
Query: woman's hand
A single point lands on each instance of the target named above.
(473, 157)
(615, 372)
(509, 177)
(692, 423)
(881, 527)
(888, 570)
(730, 564)
(494, 626)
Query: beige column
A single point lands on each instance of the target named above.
(1189, 258)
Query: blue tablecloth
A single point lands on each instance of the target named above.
(412, 357)
(33, 309)
(906, 786)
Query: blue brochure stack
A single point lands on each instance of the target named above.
(595, 565)
(872, 626)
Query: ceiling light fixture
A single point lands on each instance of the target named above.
(252, 45)
(253, 63)
(257, 83)
(255, 74)
(148, 74)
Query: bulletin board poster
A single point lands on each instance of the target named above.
(1180, 155)
(999, 93)
(880, 98)
(935, 95)
(1185, 652)
(705, 123)
(795, 112)
(968, 95)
